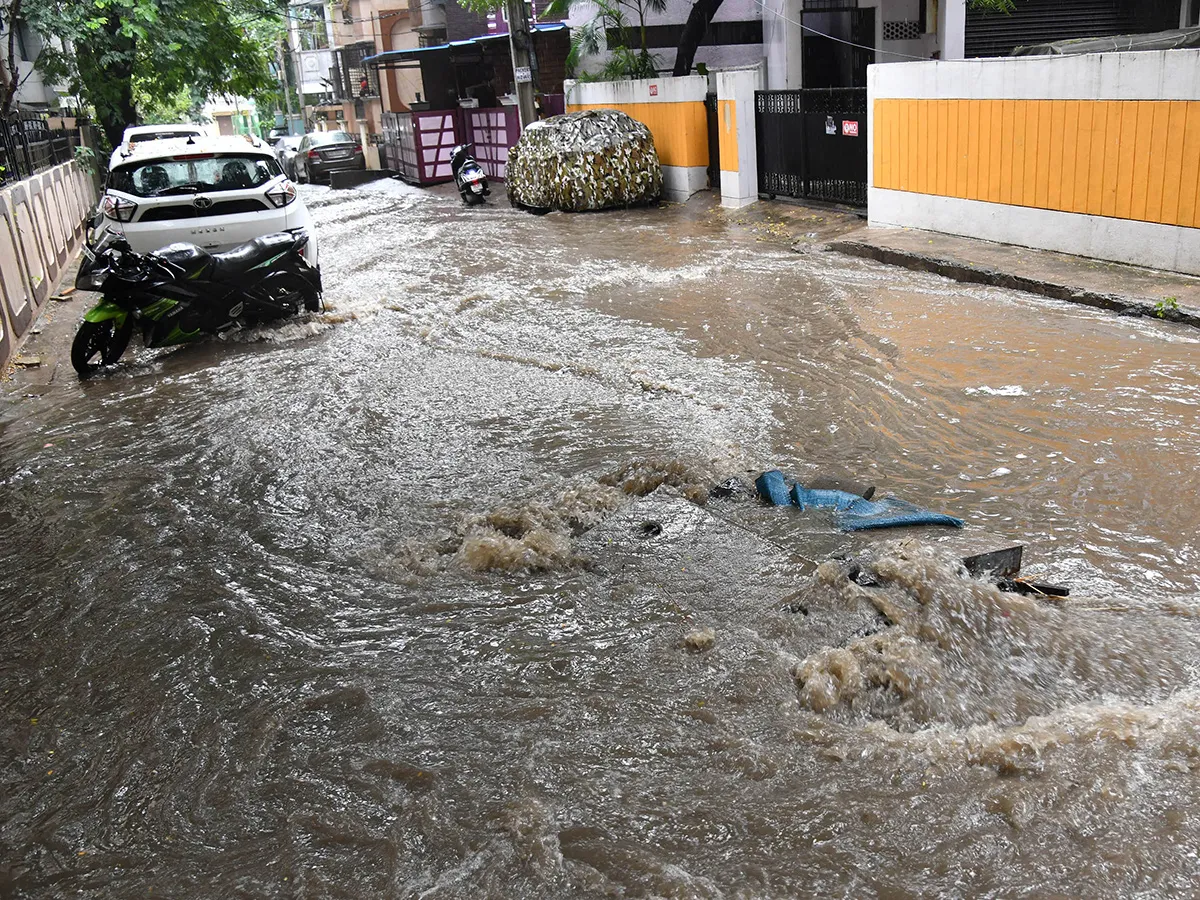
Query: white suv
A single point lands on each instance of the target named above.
(217, 193)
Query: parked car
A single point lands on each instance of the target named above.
(140, 134)
(215, 192)
(324, 152)
(285, 151)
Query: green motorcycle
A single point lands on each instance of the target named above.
(181, 292)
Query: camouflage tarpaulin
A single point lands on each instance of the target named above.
(596, 159)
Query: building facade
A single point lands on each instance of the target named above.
(329, 39)
(829, 43)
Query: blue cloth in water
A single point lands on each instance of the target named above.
(853, 513)
(772, 488)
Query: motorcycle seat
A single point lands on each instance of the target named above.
(242, 259)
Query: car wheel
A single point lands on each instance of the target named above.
(302, 177)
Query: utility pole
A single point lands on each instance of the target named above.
(520, 42)
(287, 85)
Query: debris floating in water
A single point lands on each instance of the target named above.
(852, 512)
(700, 640)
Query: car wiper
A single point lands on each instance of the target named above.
(193, 188)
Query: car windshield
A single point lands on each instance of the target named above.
(194, 174)
(329, 137)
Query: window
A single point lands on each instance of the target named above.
(202, 173)
(318, 138)
(310, 27)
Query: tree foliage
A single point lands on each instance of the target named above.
(618, 26)
(1004, 6)
(118, 50)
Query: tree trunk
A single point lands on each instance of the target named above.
(693, 33)
(10, 73)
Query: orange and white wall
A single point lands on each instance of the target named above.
(673, 109)
(737, 133)
(1096, 155)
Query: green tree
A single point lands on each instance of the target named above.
(117, 49)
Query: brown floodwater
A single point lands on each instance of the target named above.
(425, 596)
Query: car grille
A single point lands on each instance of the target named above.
(219, 208)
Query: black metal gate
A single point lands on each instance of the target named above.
(812, 144)
(714, 143)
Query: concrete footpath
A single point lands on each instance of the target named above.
(1127, 290)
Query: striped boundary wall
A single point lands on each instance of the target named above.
(1096, 155)
(674, 111)
(41, 226)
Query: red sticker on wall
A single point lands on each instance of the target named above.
(849, 128)
(654, 90)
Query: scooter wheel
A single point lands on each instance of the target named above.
(104, 339)
(472, 199)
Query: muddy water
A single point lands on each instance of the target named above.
(385, 603)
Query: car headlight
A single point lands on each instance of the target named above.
(282, 194)
(119, 208)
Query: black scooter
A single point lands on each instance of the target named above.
(470, 179)
(180, 292)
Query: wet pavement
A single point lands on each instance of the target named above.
(413, 598)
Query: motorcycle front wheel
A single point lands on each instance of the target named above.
(103, 339)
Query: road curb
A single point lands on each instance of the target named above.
(969, 274)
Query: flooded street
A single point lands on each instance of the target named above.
(386, 603)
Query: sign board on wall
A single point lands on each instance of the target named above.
(849, 128)
(654, 90)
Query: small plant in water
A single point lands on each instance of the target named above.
(1166, 305)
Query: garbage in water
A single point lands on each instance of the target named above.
(852, 511)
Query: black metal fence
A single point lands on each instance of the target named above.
(812, 143)
(33, 141)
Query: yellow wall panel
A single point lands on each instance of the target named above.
(959, 114)
(1188, 178)
(1173, 168)
(1056, 132)
(1025, 159)
(1142, 160)
(1010, 150)
(1126, 160)
(727, 131)
(1131, 159)
(881, 160)
(680, 130)
(1083, 157)
(1045, 139)
(1096, 148)
(941, 160)
(1159, 139)
(927, 160)
(913, 147)
(893, 142)
(974, 161)
(1112, 158)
